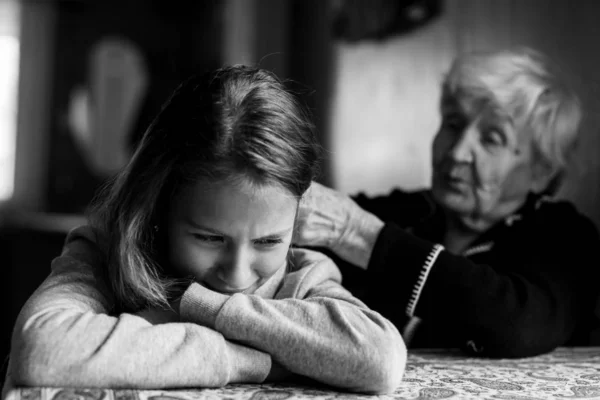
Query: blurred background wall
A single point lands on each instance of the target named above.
(384, 103)
(88, 76)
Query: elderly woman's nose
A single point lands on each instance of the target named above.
(463, 146)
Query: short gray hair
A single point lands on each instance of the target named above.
(529, 88)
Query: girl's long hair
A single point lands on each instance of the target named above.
(233, 121)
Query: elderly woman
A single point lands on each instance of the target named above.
(485, 260)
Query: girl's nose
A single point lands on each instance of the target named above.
(236, 269)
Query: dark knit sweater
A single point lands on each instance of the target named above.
(526, 286)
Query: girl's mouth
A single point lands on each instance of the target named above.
(226, 289)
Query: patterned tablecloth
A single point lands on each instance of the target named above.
(567, 373)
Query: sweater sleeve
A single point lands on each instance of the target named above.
(313, 327)
(64, 336)
(529, 302)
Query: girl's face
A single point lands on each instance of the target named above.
(230, 236)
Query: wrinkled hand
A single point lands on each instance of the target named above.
(330, 219)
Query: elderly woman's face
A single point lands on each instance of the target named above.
(482, 167)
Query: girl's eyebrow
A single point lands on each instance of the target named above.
(219, 233)
(276, 234)
(204, 228)
(188, 220)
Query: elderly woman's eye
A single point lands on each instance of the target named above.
(493, 137)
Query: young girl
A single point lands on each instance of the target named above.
(185, 277)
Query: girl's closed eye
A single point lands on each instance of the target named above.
(209, 239)
(267, 242)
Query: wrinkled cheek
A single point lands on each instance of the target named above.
(487, 187)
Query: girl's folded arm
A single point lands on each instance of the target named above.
(314, 328)
(64, 336)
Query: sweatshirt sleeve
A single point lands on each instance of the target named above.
(64, 336)
(313, 327)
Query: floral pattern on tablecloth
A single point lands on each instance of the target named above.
(567, 373)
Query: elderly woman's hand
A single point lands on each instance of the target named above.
(327, 218)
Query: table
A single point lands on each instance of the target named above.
(566, 373)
